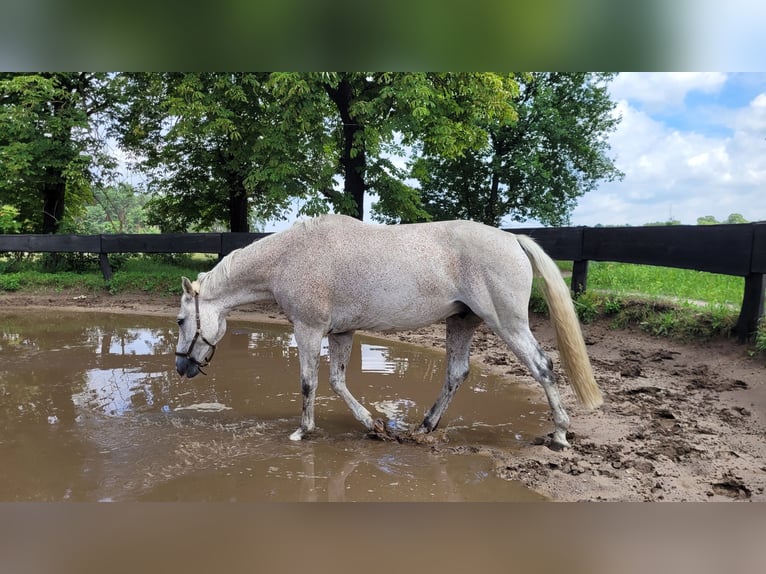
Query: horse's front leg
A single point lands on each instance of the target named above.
(309, 345)
(340, 351)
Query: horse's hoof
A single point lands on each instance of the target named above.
(297, 435)
(552, 442)
(380, 431)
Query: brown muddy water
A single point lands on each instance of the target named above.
(91, 409)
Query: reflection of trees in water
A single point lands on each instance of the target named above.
(46, 366)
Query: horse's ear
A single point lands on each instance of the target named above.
(187, 286)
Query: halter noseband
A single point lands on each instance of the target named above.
(198, 335)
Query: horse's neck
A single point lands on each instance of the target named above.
(242, 277)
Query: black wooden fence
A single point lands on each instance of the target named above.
(727, 249)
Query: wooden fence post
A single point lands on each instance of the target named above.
(579, 276)
(752, 306)
(106, 269)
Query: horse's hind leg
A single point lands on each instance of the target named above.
(459, 334)
(309, 345)
(524, 345)
(340, 351)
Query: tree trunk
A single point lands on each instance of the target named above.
(354, 158)
(239, 220)
(53, 205)
(491, 209)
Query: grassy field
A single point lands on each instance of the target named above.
(677, 303)
(665, 282)
(141, 273)
(662, 301)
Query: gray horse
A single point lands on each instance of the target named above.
(333, 275)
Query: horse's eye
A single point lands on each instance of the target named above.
(180, 322)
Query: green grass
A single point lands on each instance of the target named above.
(664, 282)
(142, 274)
(665, 302)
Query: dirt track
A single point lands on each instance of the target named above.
(681, 422)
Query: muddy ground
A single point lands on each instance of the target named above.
(681, 422)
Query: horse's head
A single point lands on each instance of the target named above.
(201, 324)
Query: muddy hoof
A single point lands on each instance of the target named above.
(380, 431)
(550, 443)
(557, 446)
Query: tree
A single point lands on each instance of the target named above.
(50, 149)
(707, 220)
(214, 146)
(374, 116)
(115, 209)
(536, 166)
(669, 223)
(8, 219)
(735, 218)
(711, 220)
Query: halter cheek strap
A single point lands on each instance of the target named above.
(198, 335)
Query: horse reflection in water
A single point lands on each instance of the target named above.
(333, 275)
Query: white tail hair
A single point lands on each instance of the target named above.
(569, 340)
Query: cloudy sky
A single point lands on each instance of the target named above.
(690, 144)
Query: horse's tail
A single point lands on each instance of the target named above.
(569, 340)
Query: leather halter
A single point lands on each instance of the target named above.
(198, 335)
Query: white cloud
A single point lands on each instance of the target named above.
(682, 173)
(660, 90)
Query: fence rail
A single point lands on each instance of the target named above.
(726, 249)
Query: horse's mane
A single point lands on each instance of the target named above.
(219, 275)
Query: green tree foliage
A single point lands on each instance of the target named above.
(365, 119)
(736, 218)
(668, 223)
(535, 166)
(9, 219)
(707, 220)
(711, 220)
(115, 209)
(50, 150)
(216, 148)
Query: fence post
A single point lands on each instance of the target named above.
(752, 306)
(579, 276)
(103, 260)
(106, 269)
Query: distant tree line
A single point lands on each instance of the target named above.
(225, 150)
(705, 220)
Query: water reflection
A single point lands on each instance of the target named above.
(91, 409)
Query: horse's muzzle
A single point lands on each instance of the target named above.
(187, 368)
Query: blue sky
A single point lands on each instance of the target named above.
(690, 144)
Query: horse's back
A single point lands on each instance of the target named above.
(380, 276)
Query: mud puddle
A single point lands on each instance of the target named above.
(91, 409)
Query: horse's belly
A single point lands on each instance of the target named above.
(396, 317)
